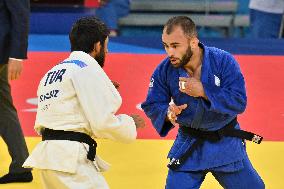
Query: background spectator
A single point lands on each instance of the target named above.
(110, 11)
(265, 18)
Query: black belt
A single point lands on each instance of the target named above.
(49, 134)
(212, 136)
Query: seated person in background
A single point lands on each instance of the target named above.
(110, 11)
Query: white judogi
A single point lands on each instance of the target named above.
(77, 95)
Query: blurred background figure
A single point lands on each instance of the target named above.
(110, 11)
(266, 18)
(14, 27)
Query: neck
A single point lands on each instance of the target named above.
(195, 61)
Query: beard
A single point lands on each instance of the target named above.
(100, 58)
(185, 58)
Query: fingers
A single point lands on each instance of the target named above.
(186, 85)
(13, 74)
(139, 121)
(172, 117)
(183, 78)
(174, 111)
(177, 109)
(182, 107)
(182, 83)
(14, 69)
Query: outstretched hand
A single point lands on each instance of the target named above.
(174, 111)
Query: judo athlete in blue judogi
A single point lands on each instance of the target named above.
(200, 89)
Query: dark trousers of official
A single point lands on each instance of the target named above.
(10, 129)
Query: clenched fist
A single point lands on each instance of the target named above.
(192, 87)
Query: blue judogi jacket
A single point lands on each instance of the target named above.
(224, 86)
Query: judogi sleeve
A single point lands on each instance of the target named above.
(157, 102)
(100, 101)
(230, 97)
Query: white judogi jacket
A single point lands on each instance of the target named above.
(77, 95)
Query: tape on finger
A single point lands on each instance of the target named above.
(170, 115)
(182, 85)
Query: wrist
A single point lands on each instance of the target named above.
(202, 92)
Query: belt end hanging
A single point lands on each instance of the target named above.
(256, 139)
(174, 164)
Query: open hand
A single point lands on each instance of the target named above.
(174, 111)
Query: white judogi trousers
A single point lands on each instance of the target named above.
(86, 177)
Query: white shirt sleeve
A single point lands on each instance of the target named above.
(100, 101)
(16, 59)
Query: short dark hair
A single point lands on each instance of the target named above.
(86, 32)
(187, 25)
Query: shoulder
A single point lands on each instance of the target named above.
(218, 53)
(220, 56)
(161, 72)
(221, 61)
(164, 66)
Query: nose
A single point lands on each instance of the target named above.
(170, 51)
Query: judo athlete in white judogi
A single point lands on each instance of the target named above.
(207, 91)
(77, 103)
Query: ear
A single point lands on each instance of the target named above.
(97, 47)
(194, 43)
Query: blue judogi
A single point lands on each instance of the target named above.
(224, 86)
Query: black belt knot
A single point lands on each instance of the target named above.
(212, 136)
(50, 134)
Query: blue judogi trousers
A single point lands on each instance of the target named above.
(246, 178)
